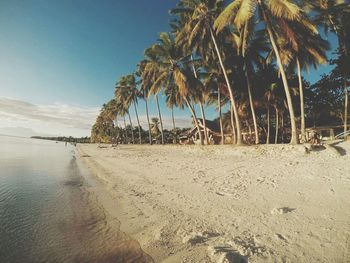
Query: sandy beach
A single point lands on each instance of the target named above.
(266, 203)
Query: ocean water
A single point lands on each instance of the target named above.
(48, 212)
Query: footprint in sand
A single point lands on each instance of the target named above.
(282, 210)
(281, 237)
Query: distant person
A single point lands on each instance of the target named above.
(315, 140)
(65, 144)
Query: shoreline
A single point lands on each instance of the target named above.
(126, 248)
(261, 203)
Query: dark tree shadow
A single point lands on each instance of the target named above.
(232, 255)
(318, 148)
(339, 149)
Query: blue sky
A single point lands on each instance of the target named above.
(71, 53)
(74, 51)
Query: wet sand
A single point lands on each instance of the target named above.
(94, 231)
(230, 204)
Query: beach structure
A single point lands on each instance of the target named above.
(330, 132)
(214, 136)
(191, 136)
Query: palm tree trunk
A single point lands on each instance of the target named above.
(138, 123)
(250, 131)
(149, 124)
(294, 135)
(251, 103)
(346, 102)
(346, 95)
(234, 136)
(268, 126)
(194, 119)
(160, 119)
(238, 125)
(174, 127)
(132, 129)
(200, 104)
(282, 126)
(116, 128)
(220, 118)
(193, 68)
(126, 131)
(204, 123)
(276, 124)
(302, 107)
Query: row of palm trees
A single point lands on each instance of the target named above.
(239, 57)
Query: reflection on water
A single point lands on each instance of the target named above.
(46, 213)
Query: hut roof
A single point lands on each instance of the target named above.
(211, 125)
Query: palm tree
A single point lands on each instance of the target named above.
(271, 97)
(144, 90)
(149, 77)
(275, 14)
(125, 95)
(335, 16)
(173, 100)
(302, 48)
(212, 80)
(250, 47)
(269, 81)
(135, 94)
(199, 33)
(155, 127)
(198, 97)
(104, 130)
(173, 69)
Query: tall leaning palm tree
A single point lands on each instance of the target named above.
(149, 77)
(274, 14)
(173, 69)
(182, 49)
(198, 31)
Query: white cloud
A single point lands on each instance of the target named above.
(61, 119)
(56, 119)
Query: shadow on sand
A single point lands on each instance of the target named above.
(339, 149)
(318, 148)
(231, 254)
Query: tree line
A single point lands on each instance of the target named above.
(64, 139)
(247, 57)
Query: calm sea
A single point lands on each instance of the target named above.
(48, 212)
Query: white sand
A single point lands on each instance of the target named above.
(230, 204)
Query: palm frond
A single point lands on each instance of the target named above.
(181, 81)
(245, 13)
(284, 9)
(227, 16)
